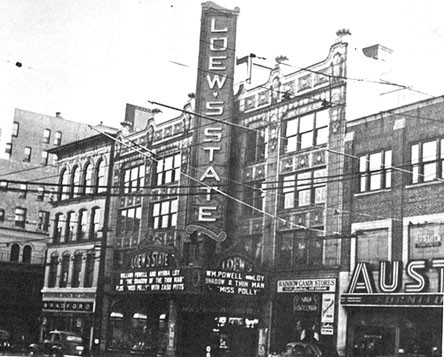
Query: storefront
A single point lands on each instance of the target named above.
(157, 306)
(394, 311)
(302, 305)
(68, 312)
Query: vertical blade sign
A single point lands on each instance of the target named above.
(214, 109)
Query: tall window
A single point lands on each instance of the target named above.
(43, 221)
(40, 193)
(65, 271)
(129, 221)
(165, 214)
(69, 228)
(15, 129)
(27, 254)
(45, 157)
(27, 154)
(256, 145)
(58, 138)
(20, 217)
(372, 246)
(300, 248)
(305, 188)
(76, 269)
(52, 276)
(58, 227)
(46, 136)
(2, 215)
(168, 169)
(100, 177)
(15, 253)
(23, 190)
(88, 179)
(94, 223)
(133, 178)
(75, 182)
(427, 160)
(89, 270)
(254, 197)
(64, 185)
(375, 171)
(306, 131)
(82, 224)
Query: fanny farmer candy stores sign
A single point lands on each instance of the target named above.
(214, 109)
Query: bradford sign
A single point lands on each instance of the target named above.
(214, 108)
(395, 285)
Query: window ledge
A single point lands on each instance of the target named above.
(422, 184)
(367, 193)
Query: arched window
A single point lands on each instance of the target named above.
(89, 270)
(15, 252)
(82, 224)
(69, 228)
(88, 179)
(94, 223)
(76, 269)
(75, 182)
(52, 276)
(65, 271)
(100, 184)
(64, 185)
(27, 253)
(58, 227)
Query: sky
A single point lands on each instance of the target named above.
(87, 58)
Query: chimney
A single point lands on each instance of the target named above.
(377, 52)
(58, 115)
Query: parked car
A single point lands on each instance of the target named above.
(308, 349)
(60, 343)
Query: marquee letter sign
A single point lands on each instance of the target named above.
(214, 109)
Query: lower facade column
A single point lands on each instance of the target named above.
(172, 329)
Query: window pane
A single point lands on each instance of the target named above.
(292, 144)
(375, 181)
(429, 171)
(320, 194)
(322, 118)
(322, 136)
(165, 207)
(375, 161)
(415, 154)
(363, 164)
(429, 151)
(304, 197)
(307, 140)
(292, 127)
(156, 209)
(307, 123)
(372, 246)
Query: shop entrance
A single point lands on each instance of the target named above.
(228, 336)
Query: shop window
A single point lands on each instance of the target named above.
(168, 169)
(88, 187)
(43, 221)
(58, 138)
(372, 246)
(375, 171)
(300, 248)
(306, 131)
(426, 241)
(65, 271)
(20, 217)
(15, 129)
(69, 227)
(305, 188)
(52, 276)
(426, 161)
(58, 228)
(75, 182)
(46, 136)
(94, 223)
(82, 225)
(164, 214)
(254, 198)
(27, 254)
(15, 253)
(76, 269)
(8, 149)
(89, 270)
(129, 221)
(133, 178)
(100, 183)
(27, 154)
(256, 146)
